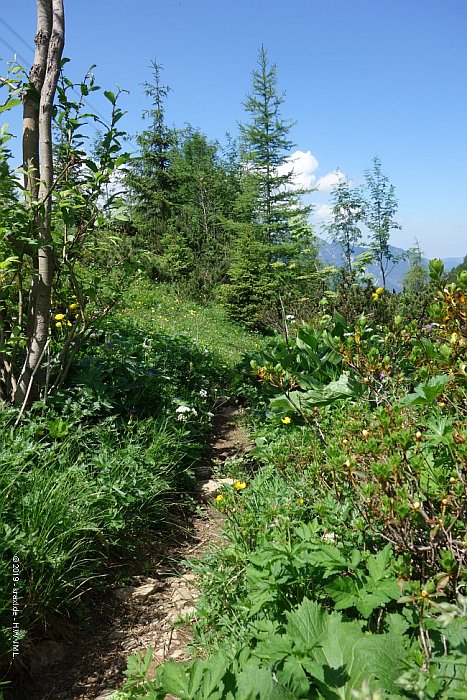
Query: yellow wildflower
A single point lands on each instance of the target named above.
(58, 324)
(59, 317)
(380, 291)
(375, 296)
(287, 420)
(300, 501)
(219, 498)
(72, 307)
(239, 485)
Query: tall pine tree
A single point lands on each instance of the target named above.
(149, 179)
(276, 222)
(265, 149)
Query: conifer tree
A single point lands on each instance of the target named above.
(204, 190)
(416, 276)
(265, 147)
(149, 179)
(271, 217)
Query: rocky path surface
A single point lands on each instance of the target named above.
(142, 613)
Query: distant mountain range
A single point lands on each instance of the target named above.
(331, 254)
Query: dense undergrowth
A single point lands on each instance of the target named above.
(343, 575)
(112, 457)
(344, 572)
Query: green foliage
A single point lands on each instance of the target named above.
(108, 458)
(85, 258)
(149, 178)
(455, 272)
(182, 193)
(203, 197)
(347, 213)
(265, 145)
(414, 301)
(314, 654)
(274, 257)
(346, 551)
(307, 370)
(251, 295)
(379, 210)
(163, 308)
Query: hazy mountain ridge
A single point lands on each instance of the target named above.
(331, 254)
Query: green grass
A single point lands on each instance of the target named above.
(83, 479)
(159, 308)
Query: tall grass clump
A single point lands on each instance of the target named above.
(85, 476)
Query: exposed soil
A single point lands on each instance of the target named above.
(142, 613)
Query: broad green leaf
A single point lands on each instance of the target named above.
(10, 104)
(377, 564)
(426, 393)
(91, 165)
(110, 96)
(255, 683)
(339, 656)
(294, 678)
(175, 681)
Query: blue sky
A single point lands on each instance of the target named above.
(365, 77)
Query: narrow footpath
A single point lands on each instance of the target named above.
(144, 612)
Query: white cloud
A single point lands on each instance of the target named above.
(322, 212)
(302, 164)
(327, 182)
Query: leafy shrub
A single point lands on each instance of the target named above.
(318, 654)
(85, 476)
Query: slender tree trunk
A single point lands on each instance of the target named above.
(37, 157)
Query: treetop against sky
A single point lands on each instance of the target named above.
(362, 78)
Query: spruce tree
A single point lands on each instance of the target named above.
(265, 147)
(205, 187)
(149, 179)
(271, 218)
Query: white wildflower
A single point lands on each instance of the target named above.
(329, 537)
(203, 393)
(182, 412)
